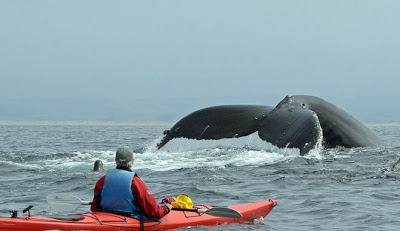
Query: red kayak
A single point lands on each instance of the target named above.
(201, 215)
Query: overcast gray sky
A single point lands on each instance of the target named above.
(160, 60)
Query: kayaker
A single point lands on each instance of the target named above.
(98, 166)
(122, 191)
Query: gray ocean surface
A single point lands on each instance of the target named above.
(330, 189)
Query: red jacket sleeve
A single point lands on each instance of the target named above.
(146, 201)
(95, 206)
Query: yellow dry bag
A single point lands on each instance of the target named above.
(183, 201)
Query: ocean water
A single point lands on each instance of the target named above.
(329, 189)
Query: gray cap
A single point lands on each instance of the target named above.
(124, 155)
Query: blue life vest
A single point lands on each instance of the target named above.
(117, 193)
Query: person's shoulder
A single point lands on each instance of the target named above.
(102, 178)
(136, 178)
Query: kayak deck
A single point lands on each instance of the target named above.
(109, 221)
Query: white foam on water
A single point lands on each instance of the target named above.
(80, 161)
(184, 153)
(207, 158)
(31, 166)
(187, 153)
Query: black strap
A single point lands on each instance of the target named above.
(125, 214)
(141, 222)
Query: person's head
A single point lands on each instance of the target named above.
(124, 157)
(98, 166)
